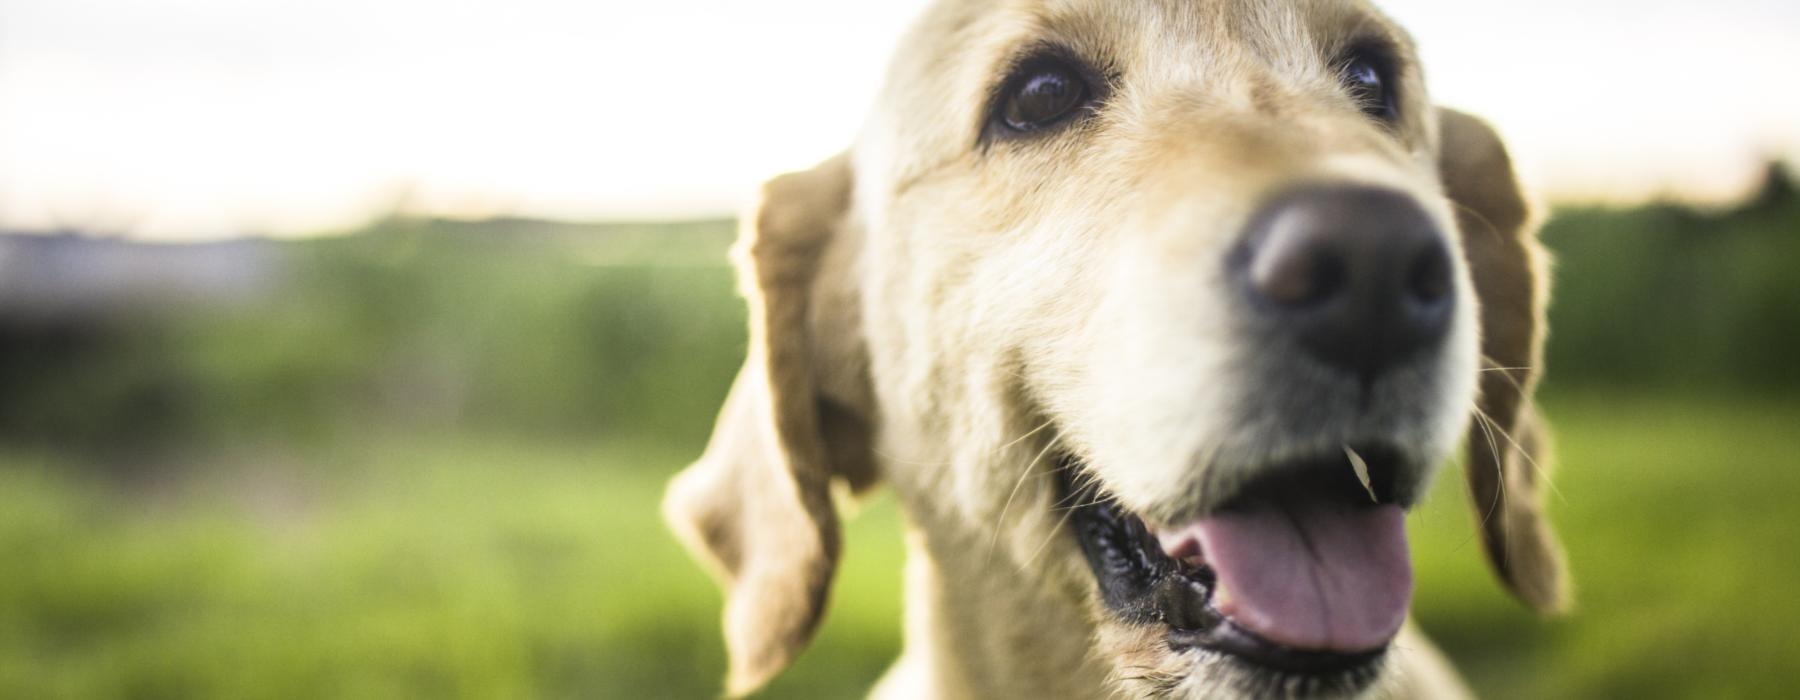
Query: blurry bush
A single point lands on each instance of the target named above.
(1672, 298)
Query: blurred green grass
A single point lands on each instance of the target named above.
(409, 569)
(521, 568)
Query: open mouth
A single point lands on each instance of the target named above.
(1303, 575)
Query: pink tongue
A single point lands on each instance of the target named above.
(1319, 576)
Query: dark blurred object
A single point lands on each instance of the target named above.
(1777, 190)
(79, 320)
(513, 326)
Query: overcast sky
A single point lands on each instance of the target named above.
(202, 118)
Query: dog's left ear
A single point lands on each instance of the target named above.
(757, 506)
(1508, 452)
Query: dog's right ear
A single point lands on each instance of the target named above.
(1508, 449)
(757, 506)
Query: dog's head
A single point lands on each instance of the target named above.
(1175, 307)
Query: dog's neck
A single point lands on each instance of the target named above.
(976, 627)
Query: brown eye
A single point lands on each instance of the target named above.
(1041, 96)
(1365, 77)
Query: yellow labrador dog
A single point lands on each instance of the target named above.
(1156, 315)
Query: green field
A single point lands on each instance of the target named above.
(500, 567)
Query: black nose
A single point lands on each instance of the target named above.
(1358, 276)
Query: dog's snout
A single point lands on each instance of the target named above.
(1360, 277)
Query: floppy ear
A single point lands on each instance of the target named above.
(1508, 450)
(757, 507)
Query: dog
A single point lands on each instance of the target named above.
(1156, 316)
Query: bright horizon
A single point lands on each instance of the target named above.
(182, 119)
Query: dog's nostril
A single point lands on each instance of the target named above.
(1294, 273)
(1428, 281)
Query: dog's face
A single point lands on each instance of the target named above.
(1208, 244)
(1171, 304)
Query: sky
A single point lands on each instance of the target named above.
(191, 119)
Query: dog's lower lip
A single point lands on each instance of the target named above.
(1228, 638)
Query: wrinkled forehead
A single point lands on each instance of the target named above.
(955, 57)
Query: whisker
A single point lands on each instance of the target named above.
(1085, 486)
(1478, 217)
(1507, 372)
(1022, 438)
(1482, 421)
(1026, 567)
(1543, 475)
(1081, 482)
(1078, 506)
(1000, 522)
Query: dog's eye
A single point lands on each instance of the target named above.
(1366, 77)
(1042, 95)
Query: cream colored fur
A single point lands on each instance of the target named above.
(941, 313)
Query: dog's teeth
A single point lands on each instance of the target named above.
(1362, 472)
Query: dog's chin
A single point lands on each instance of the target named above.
(1294, 587)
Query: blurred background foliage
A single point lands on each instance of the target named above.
(423, 460)
(1670, 297)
